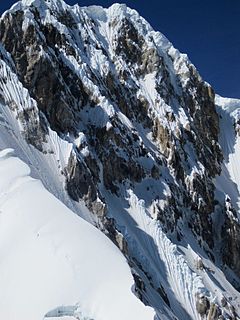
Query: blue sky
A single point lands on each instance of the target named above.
(207, 30)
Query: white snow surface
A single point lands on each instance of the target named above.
(65, 266)
(171, 265)
(51, 258)
(229, 181)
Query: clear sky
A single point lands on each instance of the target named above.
(207, 30)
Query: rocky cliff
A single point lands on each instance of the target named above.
(131, 132)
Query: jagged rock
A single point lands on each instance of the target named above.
(155, 172)
(79, 185)
(163, 294)
(202, 305)
(34, 131)
(231, 236)
(117, 169)
(199, 264)
(139, 285)
(149, 123)
(213, 313)
(151, 61)
(121, 243)
(129, 42)
(162, 136)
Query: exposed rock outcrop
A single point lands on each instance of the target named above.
(137, 119)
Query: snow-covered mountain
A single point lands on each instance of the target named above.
(121, 130)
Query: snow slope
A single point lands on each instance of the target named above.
(52, 261)
(46, 166)
(92, 278)
(172, 264)
(229, 181)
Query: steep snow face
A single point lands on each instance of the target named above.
(120, 127)
(227, 185)
(54, 262)
(229, 110)
(20, 125)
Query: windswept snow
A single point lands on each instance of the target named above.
(229, 181)
(157, 254)
(53, 264)
(50, 258)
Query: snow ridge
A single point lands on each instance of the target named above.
(61, 269)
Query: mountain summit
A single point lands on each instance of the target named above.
(101, 116)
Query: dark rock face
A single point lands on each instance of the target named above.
(230, 235)
(33, 122)
(206, 123)
(80, 185)
(34, 131)
(58, 91)
(79, 181)
(129, 42)
(144, 122)
(62, 96)
(204, 308)
(202, 305)
(211, 311)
